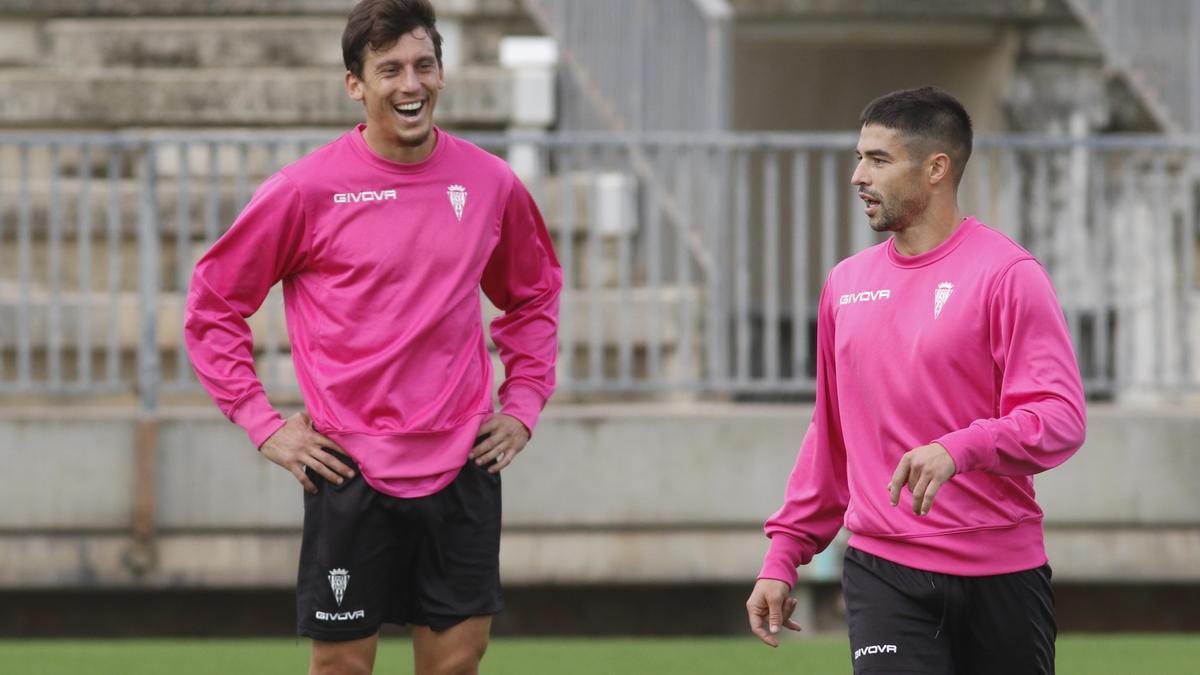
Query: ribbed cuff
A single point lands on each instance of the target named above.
(258, 418)
(525, 404)
(971, 448)
(783, 557)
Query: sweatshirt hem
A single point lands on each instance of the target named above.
(970, 553)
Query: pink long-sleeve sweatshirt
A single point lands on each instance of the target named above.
(382, 264)
(964, 345)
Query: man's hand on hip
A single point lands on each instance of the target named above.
(770, 607)
(506, 437)
(924, 470)
(296, 446)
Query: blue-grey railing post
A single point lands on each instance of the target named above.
(149, 368)
(141, 556)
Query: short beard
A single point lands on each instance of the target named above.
(900, 217)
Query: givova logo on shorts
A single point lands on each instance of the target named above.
(874, 649)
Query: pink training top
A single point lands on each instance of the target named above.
(964, 345)
(382, 264)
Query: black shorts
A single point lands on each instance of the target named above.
(905, 620)
(369, 558)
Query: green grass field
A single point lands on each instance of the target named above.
(1077, 654)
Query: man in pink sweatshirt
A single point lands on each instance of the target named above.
(945, 380)
(383, 240)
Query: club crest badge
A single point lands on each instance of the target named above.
(940, 296)
(458, 199)
(339, 579)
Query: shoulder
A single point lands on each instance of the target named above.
(480, 160)
(997, 249)
(867, 258)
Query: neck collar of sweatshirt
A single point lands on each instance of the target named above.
(936, 253)
(369, 156)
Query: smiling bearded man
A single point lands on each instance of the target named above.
(382, 240)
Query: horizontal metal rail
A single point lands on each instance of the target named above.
(701, 279)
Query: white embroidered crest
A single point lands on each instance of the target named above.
(940, 296)
(339, 579)
(458, 199)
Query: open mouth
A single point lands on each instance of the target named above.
(410, 111)
(872, 204)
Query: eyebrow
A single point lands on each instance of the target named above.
(394, 63)
(882, 154)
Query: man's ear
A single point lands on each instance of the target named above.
(354, 86)
(939, 168)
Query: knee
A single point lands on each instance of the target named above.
(340, 664)
(462, 661)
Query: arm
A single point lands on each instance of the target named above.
(523, 279)
(267, 242)
(1042, 418)
(815, 502)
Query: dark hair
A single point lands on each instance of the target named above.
(935, 121)
(379, 24)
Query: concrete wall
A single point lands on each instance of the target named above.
(625, 494)
(819, 77)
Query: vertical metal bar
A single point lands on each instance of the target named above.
(741, 253)
(183, 256)
(273, 309)
(829, 211)
(1012, 195)
(1042, 211)
(241, 184)
(715, 322)
(800, 239)
(566, 254)
(1187, 278)
(770, 267)
(1162, 283)
(149, 370)
(655, 306)
(3, 300)
(24, 271)
(54, 274)
(1097, 202)
(113, 351)
(683, 262)
(595, 265)
(84, 262)
(628, 215)
(984, 190)
(212, 213)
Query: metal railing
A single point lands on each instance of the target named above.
(99, 233)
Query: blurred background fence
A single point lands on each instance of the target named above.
(694, 262)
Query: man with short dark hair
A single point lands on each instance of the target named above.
(382, 240)
(944, 367)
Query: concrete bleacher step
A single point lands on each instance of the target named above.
(244, 42)
(476, 96)
(139, 8)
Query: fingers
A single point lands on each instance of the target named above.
(775, 613)
(789, 606)
(918, 492)
(899, 479)
(927, 499)
(756, 611)
(308, 485)
(333, 463)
